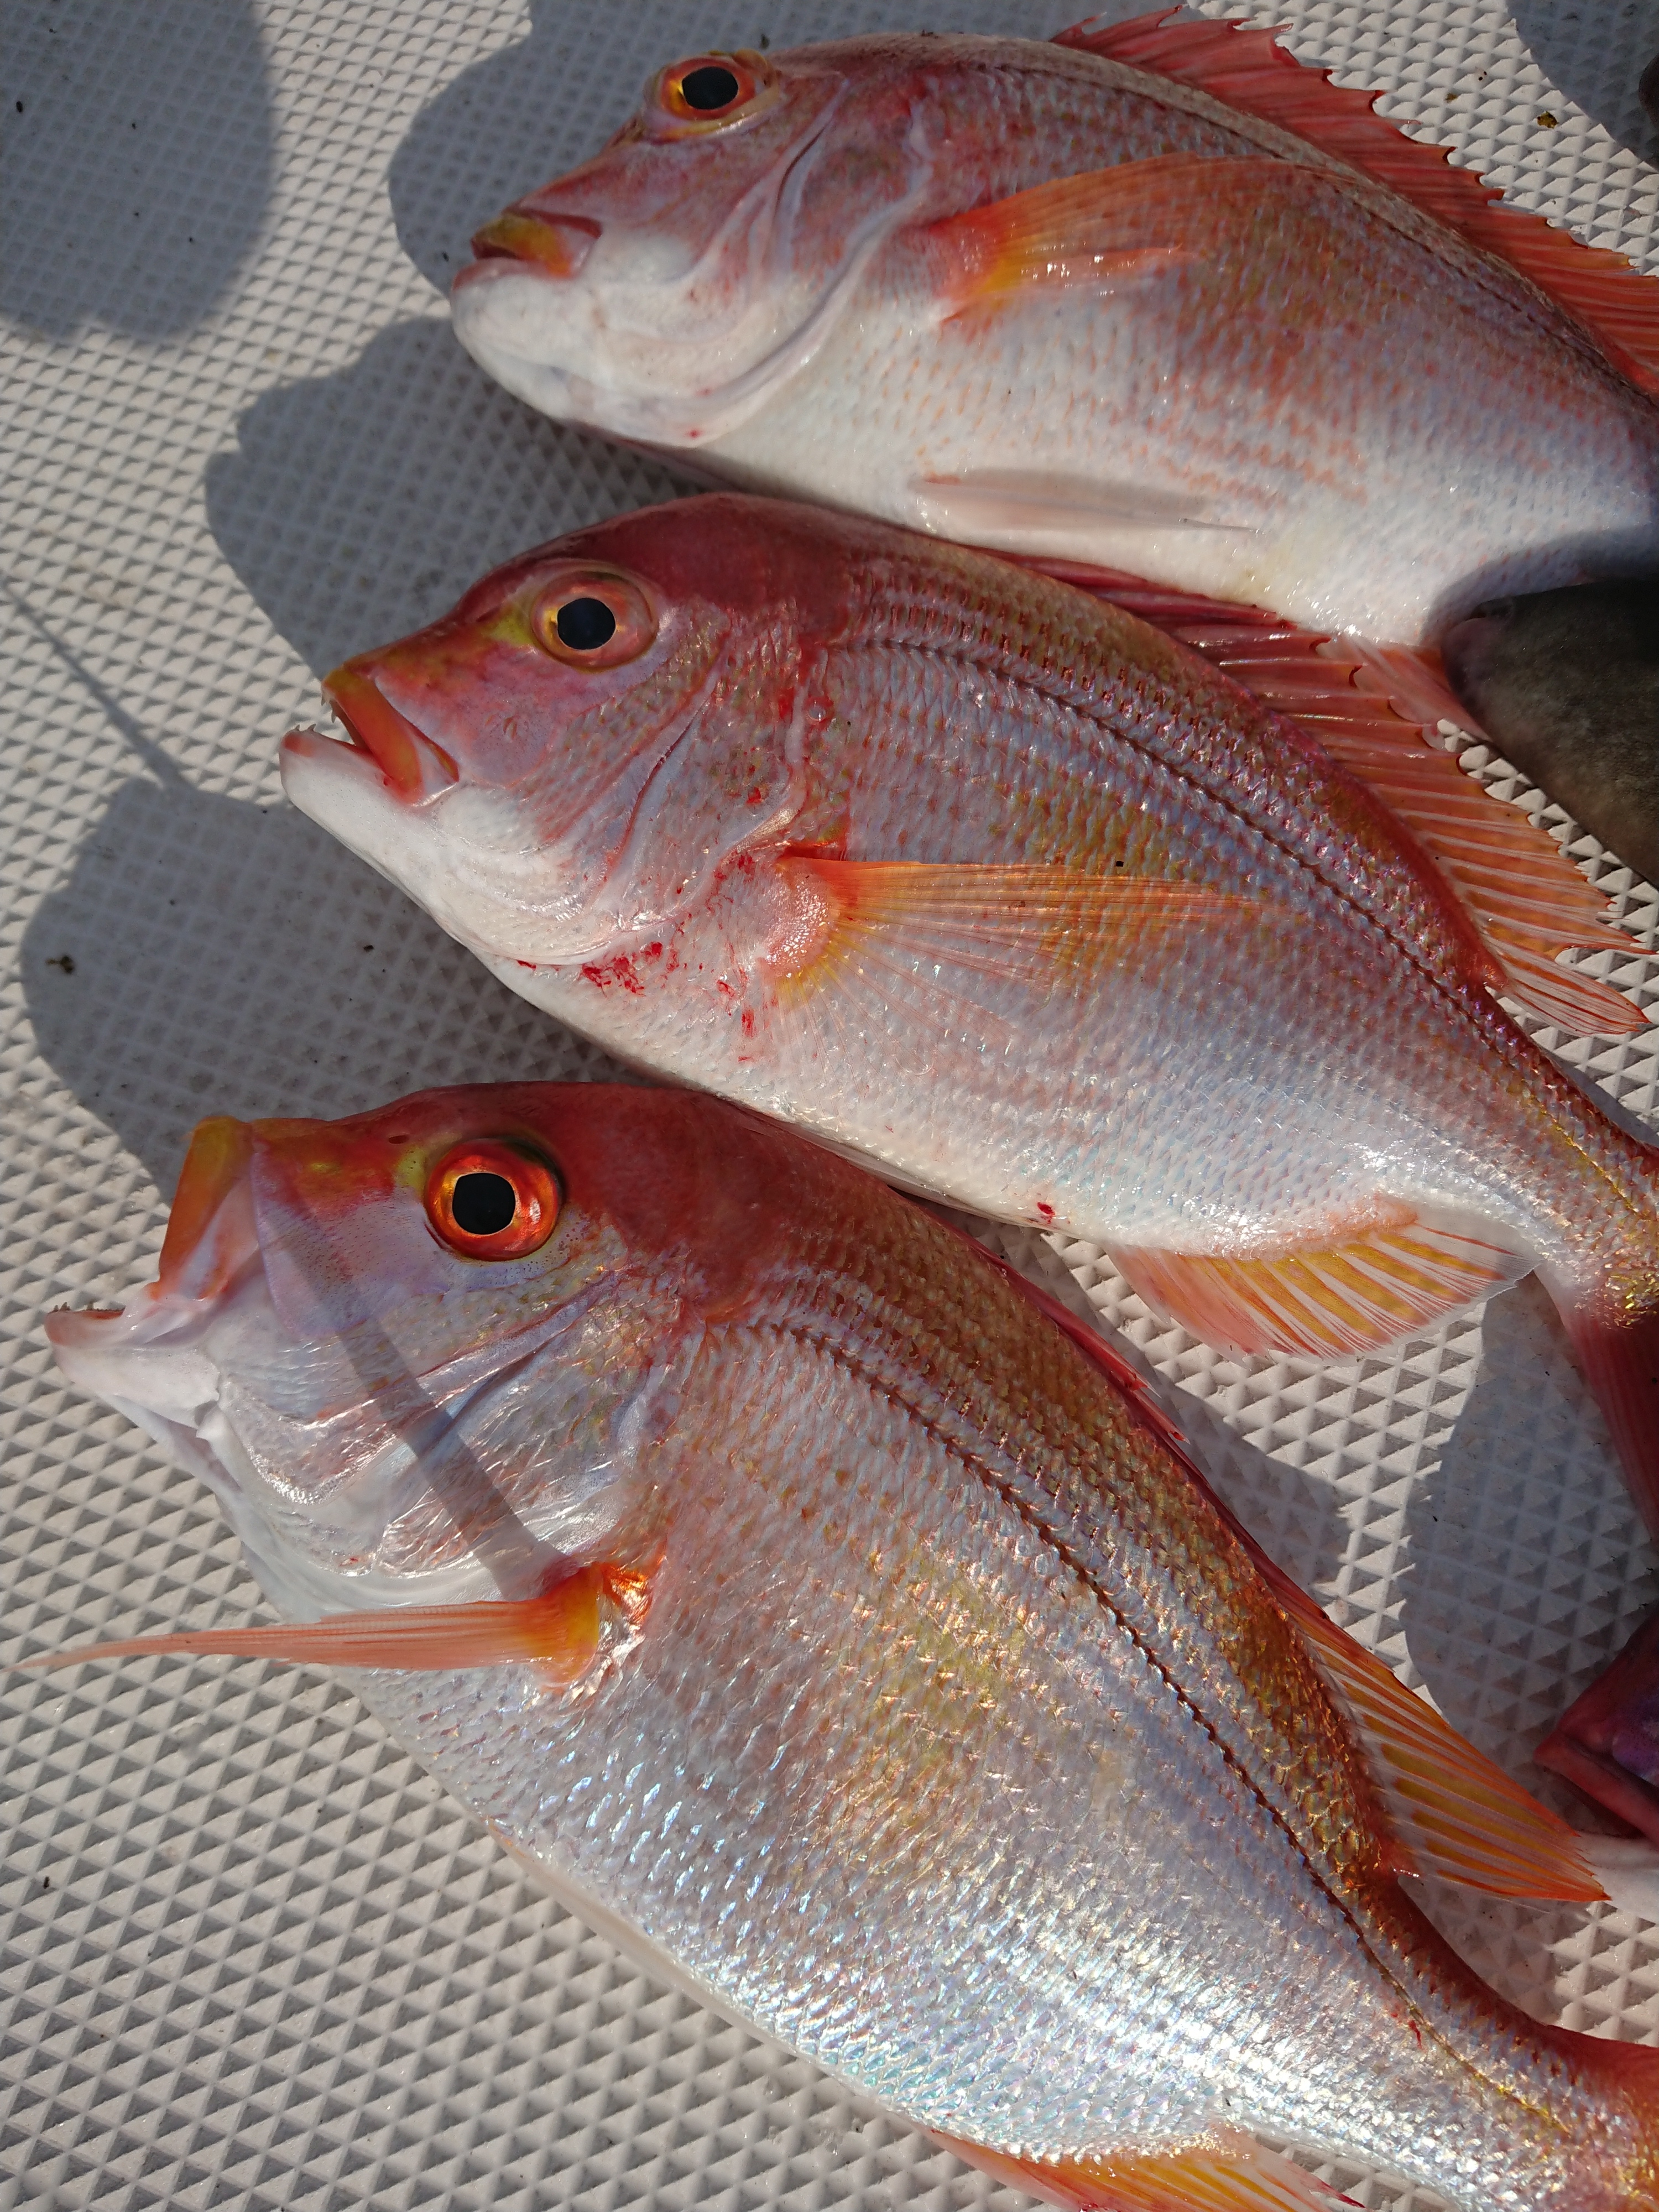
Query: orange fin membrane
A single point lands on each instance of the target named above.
(1455, 1813)
(1377, 709)
(1451, 1812)
(1230, 2173)
(1023, 925)
(1322, 1302)
(560, 1631)
(1615, 304)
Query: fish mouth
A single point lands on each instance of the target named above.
(409, 761)
(552, 244)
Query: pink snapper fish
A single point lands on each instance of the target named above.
(1154, 297)
(817, 1612)
(1004, 891)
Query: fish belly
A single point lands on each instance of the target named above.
(890, 1773)
(1255, 1085)
(1371, 445)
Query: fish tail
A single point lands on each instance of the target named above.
(1616, 1342)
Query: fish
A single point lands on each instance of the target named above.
(820, 1608)
(1566, 685)
(1152, 295)
(1021, 901)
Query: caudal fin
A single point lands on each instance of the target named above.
(1616, 1346)
(1607, 1742)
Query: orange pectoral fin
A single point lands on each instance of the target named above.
(1104, 229)
(560, 1631)
(1230, 2173)
(1027, 926)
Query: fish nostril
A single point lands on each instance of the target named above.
(559, 244)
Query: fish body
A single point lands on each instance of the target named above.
(953, 1736)
(1029, 295)
(998, 888)
(1566, 684)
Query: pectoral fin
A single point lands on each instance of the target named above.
(1357, 1293)
(1230, 2173)
(560, 1631)
(1034, 927)
(1105, 228)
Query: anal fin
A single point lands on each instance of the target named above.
(1356, 1293)
(1230, 2172)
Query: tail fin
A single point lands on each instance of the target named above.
(1607, 1742)
(1617, 1349)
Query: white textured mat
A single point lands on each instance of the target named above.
(249, 1955)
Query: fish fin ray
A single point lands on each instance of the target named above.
(1088, 229)
(1364, 1290)
(1229, 2172)
(1459, 1816)
(559, 1631)
(1377, 709)
(1249, 70)
(1022, 924)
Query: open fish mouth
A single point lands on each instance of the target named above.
(408, 762)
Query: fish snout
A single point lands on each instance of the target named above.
(555, 244)
(413, 765)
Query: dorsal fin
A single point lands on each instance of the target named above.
(1378, 710)
(1615, 303)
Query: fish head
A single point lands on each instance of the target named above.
(561, 765)
(662, 289)
(428, 1353)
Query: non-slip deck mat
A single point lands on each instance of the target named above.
(250, 1956)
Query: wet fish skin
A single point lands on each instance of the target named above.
(963, 1745)
(1274, 1025)
(1226, 375)
(1566, 684)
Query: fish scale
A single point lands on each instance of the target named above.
(953, 1734)
(1156, 300)
(985, 880)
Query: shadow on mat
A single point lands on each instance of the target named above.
(138, 153)
(358, 506)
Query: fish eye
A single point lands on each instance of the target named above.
(713, 88)
(592, 617)
(491, 1199)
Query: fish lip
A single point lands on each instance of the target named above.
(409, 762)
(545, 243)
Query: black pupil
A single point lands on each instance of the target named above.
(709, 88)
(483, 1204)
(586, 624)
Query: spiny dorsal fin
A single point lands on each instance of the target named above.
(1617, 304)
(1377, 709)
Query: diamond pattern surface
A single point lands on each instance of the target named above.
(251, 1956)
